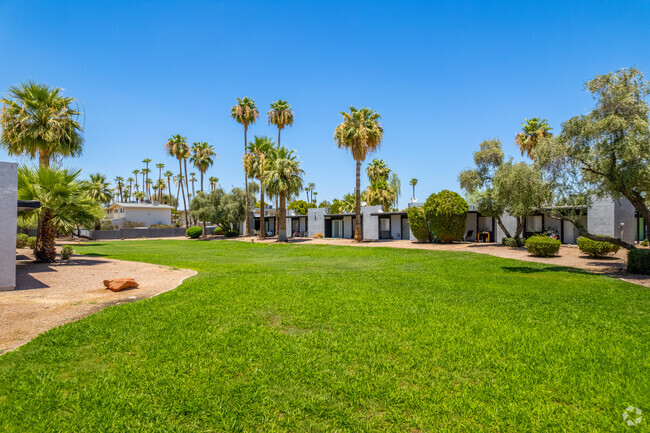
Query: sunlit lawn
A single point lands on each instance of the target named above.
(322, 338)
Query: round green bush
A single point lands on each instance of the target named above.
(638, 261)
(542, 246)
(596, 249)
(513, 242)
(231, 233)
(21, 240)
(31, 242)
(447, 215)
(419, 224)
(217, 231)
(194, 232)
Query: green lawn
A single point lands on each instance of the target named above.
(321, 339)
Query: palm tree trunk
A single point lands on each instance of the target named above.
(180, 166)
(277, 221)
(43, 159)
(282, 232)
(187, 187)
(201, 181)
(262, 228)
(45, 250)
(413, 191)
(248, 217)
(358, 236)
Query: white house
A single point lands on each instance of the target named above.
(143, 213)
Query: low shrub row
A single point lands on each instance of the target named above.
(542, 246)
(513, 242)
(638, 261)
(596, 249)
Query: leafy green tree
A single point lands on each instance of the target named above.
(533, 130)
(226, 210)
(37, 120)
(280, 115)
(324, 203)
(361, 134)
(420, 225)
(447, 215)
(255, 165)
(604, 152)
(300, 206)
(283, 176)
(335, 206)
(65, 204)
(177, 147)
(245, 113)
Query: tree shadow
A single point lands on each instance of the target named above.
(536, 270)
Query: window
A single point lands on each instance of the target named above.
(384, 224)
(534, 224)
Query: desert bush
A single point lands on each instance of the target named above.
(194, 232)
(231, 233)
(318, 235)
(638, 261)
(21, 240)
(542, 246)
(66, 252)
(31, 242)
(107, 225)
(596, 249)
(132, 224)
(513, 243)
(447, 215)
(419, 224)
(644, 242)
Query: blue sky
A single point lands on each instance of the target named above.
(443, 75)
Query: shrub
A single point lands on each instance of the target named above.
(513, 242)
(318, 235)
(107, 225)
(644, 242)
(31, 242)
(21, 240)
(194, 232)
(542, 246)
(447, 215)
(419, 224)
(638, 261)
(596, 249)
(231, 233)
(217, 231)
(161, 226)
(66, 252)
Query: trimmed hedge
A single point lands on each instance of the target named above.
(21, 240)
(513, 242)
(194, 232)
(419, 224)
(596, 249)
(638, 261)
(542, 246)
(447, 215)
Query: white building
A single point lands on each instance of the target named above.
(139, 213)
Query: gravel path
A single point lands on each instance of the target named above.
(52, 294)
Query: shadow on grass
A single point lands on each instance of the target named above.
(535, 270)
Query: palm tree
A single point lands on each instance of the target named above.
(130, 180)
(65, 204)
(361, 134)
(149, 182)
(168, 175)
(283, 177)
(395, 185)
(377, 169)
(37, 120)
(177, 147)
(255, 163)
(146, 161)
(380, 192)
(533, 130)
(139, 196)
(280, 115)
(202, 154)
(135, 173)
(99, 188)
(160, 186)
(160, 166)
(118, 181)
(348, 204)
(213, 182)
(193, 179)
(413, 182)
(310, 189)
(145, 180)
(245, 113)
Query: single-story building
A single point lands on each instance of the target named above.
(139, 213)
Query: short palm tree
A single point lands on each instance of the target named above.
(280, 115)
(213, 182)
(139, 197)
(161, 186)
(193, 179)
(136, 172)
(255, 164)
(99, 188)
(361, 134)
(283, 177)
(380, 193)
(413, 182)
(130, 180)
(65, 204)
(160, 167)
(377, 169)
(533, 130)
(39, 120)
(202, 154)
(245, 113)
(177, 147)
(119, 181)
(168, 174)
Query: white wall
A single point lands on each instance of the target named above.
(396, 226)
(148, 216)
(8, 209)
(370, 223)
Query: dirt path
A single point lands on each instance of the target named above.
(50, 295)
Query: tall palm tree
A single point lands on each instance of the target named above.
(310, 189)
(99, 188)
(135, 173)
(377, 169)
(533, 130)
(396, 185)
(413, 182)
(168, 175)
(213, 182)
(283, 177)
(255, 164)
(38, 120)
(139, 196)
(202, 154)
(177, 147)
(119, 180)
(145, 178)
(149, 182)
(380, 193)
(245, 113)
(160, 186)
(280, 115)
(193, 179)
(146, 161)
(361, 134)
(160, 167)
(65, 204)
(130, 180)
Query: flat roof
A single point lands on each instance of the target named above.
(297, 216)
(340, 214)
(141, 205)
(388, 213)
